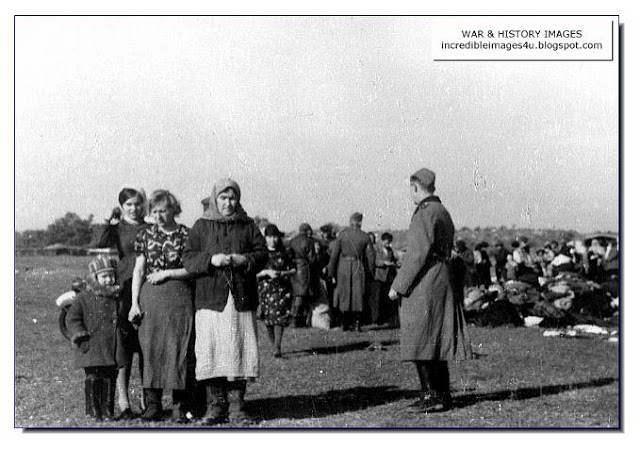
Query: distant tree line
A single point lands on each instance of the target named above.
(70, 230)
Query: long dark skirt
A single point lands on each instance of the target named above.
(166, 334)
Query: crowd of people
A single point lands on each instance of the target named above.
(485, 265)
(188, 300)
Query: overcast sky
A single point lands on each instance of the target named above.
(315, 117)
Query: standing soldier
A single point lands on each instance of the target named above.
(306, 279)
(432, 326)
(352, 261)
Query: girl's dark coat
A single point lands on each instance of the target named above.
(209, 237)
(92, 321)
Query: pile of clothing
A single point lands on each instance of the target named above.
(561, 301)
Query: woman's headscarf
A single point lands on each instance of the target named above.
(219, 187)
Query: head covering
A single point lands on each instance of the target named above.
(219, 187)
(460, 245)
(101, 264)
(426, 178)
(326, 228)
(356, 217)
(272, 230)
(304, 228)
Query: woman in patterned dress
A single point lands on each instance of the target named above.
(274, 288)
(162, 302)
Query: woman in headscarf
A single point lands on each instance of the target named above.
(225, 251)
(123, 225)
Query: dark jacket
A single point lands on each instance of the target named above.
(385, 273)
(308, 262)
(209, 237)
(92, 321)
(352, 262)
(122, 237)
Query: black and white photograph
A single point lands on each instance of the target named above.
(318, 222)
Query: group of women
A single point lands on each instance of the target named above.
(189, 301)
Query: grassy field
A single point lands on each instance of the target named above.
(518, 378)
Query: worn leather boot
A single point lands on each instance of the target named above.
(108, 395)
(95, 397)
(217, 406)
(153, 400)
(179, 406)
(237, 410)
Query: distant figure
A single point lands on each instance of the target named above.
(306, 280)
(501, 254)
(482, 265)
(382, 310)
(526, 269)
(467, 257)
(611, 259)
(327, 240)
(511, 268)
(352, 259)
(595, 257)
(562, 262)
(274, 288)
(432, 325)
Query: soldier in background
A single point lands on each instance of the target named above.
(352, 260)
(307, 278)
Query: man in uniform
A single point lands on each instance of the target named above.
(352, 261)
(432, 326)
(306, 281)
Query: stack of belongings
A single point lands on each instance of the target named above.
(562, 301)
(490, 308)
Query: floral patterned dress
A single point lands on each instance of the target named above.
(166, 330)
(276, 294)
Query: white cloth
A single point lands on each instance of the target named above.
(226, 343)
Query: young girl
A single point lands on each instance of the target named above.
(92, 321)
(274, 288)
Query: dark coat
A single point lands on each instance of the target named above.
(431, 320)
(92, 321)
(209, 237)
(307, 277)
(352, 261)
(385, 273)
(122, 237)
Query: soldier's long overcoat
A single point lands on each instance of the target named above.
(431, 321)
(352, 261)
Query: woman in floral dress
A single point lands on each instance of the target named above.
(274, 288)
(162, 302)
